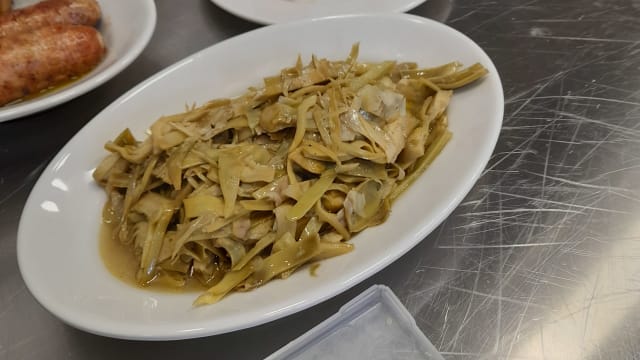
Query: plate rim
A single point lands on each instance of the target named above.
(76, 90)
(184, 333)
(265, 20)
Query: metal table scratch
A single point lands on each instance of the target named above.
(540, 261)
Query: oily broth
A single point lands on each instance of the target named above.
(51, 89)
(123, 264)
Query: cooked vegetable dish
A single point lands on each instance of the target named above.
(237, 192)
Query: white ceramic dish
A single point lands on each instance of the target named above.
(281, 11)
(126, 27)
(58, 233)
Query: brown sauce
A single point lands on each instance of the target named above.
(121, 262)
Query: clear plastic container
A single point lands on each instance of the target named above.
(374, 325)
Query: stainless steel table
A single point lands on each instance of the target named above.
(540, 261)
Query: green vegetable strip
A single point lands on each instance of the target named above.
(441, 70)
(310, 197)
(301, 126)
(255, 250)
(230, 280)
(422, 164)
(460, 78)
(229, 175)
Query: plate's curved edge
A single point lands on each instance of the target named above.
(410, 6)
(266, 20)
(258, 20)
(76, 90)
(323, 293)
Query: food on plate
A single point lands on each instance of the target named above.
(5, 6)
(35, 60)
(46, 45)
(237, 192)
(50, 12)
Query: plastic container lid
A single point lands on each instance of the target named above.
(374, 325)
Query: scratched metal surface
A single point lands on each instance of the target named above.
(542, 259)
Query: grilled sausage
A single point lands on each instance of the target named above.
(50, 12)
(34, 61)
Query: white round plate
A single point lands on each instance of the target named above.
(58, 233)
(280, 11)
(126, 27)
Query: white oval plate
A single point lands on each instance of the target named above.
(58, 234)
(280, 11)
(126, 27)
